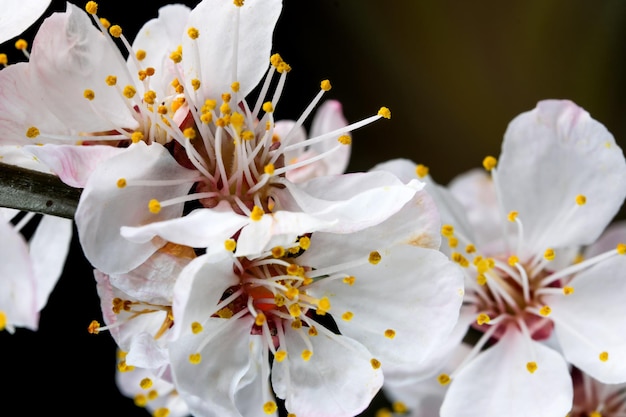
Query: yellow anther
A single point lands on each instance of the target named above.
(470, 248)
(94, 327)
(531, 367)
(481, 279)
(621, 248)
(121, 183)
(224, 313)
(4, 60)
(399, 407)
(349, 280)
(115, 31)
(513, 260)
(347, 316)
(91, 7)
(105, 23)
(111, 80)
(545, 311)
(421, 171)
(374, 257)
(292, 293)
(512, 216)
(595, 414)
(604, 356)
(21, 44)
(325, 85)
(483, 318)
(136, 136)
(581, 199)
(196, 327)
(344, 140)
(195, 358)
(268, 107)
(226, 97)
(312, 331)
(189, 133)
(153, 395)
(230, 245)
(453, 242)
(129, 91)
(279, 300)
(447, 230)
(193, 33)
(195, 84)
(275, 60)
(140, 400)
(89, 94)
(323, 304)
(280, 355)
(549, 254)
(3, 320)
(123, 367)
(383, 412)
(296, 324)
(145, 383)
(140, 55)
(384, 112)
(567, 290)
(278, 252)
(176, 56)
(489, 163)
(375, 363)
(260, 319)
(390, 333)
(239, 3)
(149, 96)
(256, 214)
(269, 169)
(161, 412)
(154, 206)
(306, 355)
(32, 132)
(295, 310)
(444, 379)
(459, 259)
(283, 67)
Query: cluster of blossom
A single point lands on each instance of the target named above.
(242, 272)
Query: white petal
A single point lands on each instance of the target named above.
(497, 383)
(550, 155)
(16, 16)
(338, 380)
(614, 234)
(104, 207)
(209, 387)
(145, 352)
(49, 247)
(588, 321)
(415, 292)
(210, 59)
(69, 55)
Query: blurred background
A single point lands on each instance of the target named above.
(453, 74)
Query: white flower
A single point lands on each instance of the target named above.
(560, 180)
(17, 16)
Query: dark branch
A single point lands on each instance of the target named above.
(28, 190)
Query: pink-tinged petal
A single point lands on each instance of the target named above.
(614, 234)
(212, 54)
(338, 380)
(153, 281)
(282, 128)
(73, 164)
(550, 155)
(70, 55)
(417, 283)
(16, 17)
(199, 288)
(200, 228)
(226, 348)
(590, 321)
(17, 155)
(498, 383)
(144, 351)
(354, 201)
(158, 38)
(22, 106)
(49, 247)
(104, 207)
(18, 287)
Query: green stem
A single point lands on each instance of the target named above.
(28, 190)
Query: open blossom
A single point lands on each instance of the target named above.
(195, 140)
(559, 181)
(314, 323)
